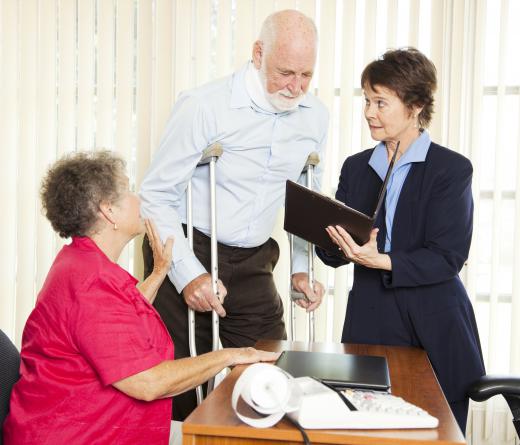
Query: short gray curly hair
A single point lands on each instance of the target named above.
(75, 186)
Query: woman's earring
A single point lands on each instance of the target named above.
(115, 226)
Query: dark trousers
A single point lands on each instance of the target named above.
(253, 307)
(460, 411)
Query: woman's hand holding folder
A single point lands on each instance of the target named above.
(367, 255)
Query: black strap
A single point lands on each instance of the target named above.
(346, 401)
(305, 438)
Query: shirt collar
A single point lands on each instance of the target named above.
(240, 97)
(416, 153)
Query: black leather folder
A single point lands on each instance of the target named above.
(308, 213)
(338, 370)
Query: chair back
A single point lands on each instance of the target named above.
(9, 375)
(506, 385)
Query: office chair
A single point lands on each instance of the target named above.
(9, 374)
(491, 385)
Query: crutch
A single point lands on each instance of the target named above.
(209, 156)
(312, 161)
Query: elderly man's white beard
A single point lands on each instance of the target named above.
(282, 100)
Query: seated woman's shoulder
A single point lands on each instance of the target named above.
(92, 271)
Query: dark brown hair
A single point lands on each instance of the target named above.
(410, 74)
(74, 187)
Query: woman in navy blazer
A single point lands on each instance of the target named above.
(406, 288)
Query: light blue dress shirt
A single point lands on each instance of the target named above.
(379, 162)
(262, 149)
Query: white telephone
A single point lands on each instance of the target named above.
(271, 391)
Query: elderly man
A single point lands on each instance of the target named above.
(268, 124)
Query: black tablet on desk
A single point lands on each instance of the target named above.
(308, 213)
(338, 370)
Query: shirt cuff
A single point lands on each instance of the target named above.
(300, 262)
(184, 271)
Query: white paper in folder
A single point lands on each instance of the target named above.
(273, 393)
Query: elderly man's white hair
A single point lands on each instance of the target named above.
(288, 20)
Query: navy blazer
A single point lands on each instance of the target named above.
(422, 301)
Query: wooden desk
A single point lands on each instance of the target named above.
(412, 377)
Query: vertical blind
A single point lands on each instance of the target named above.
(90, 74)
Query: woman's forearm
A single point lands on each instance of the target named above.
(187, 373)
(173, 377)
(384, 262)
(150, 285)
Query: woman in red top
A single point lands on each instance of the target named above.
(97, 361)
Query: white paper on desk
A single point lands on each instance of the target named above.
(267, 389)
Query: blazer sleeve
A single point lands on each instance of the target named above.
(334, 259)
(447, 234)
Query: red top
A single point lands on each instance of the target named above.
(90, 328)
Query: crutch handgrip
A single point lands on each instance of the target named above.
(313, 159)
(295, 295)
(212, 151)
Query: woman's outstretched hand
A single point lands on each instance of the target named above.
(162, 259)
(162, 253)
(367, 255)
(243, 356)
